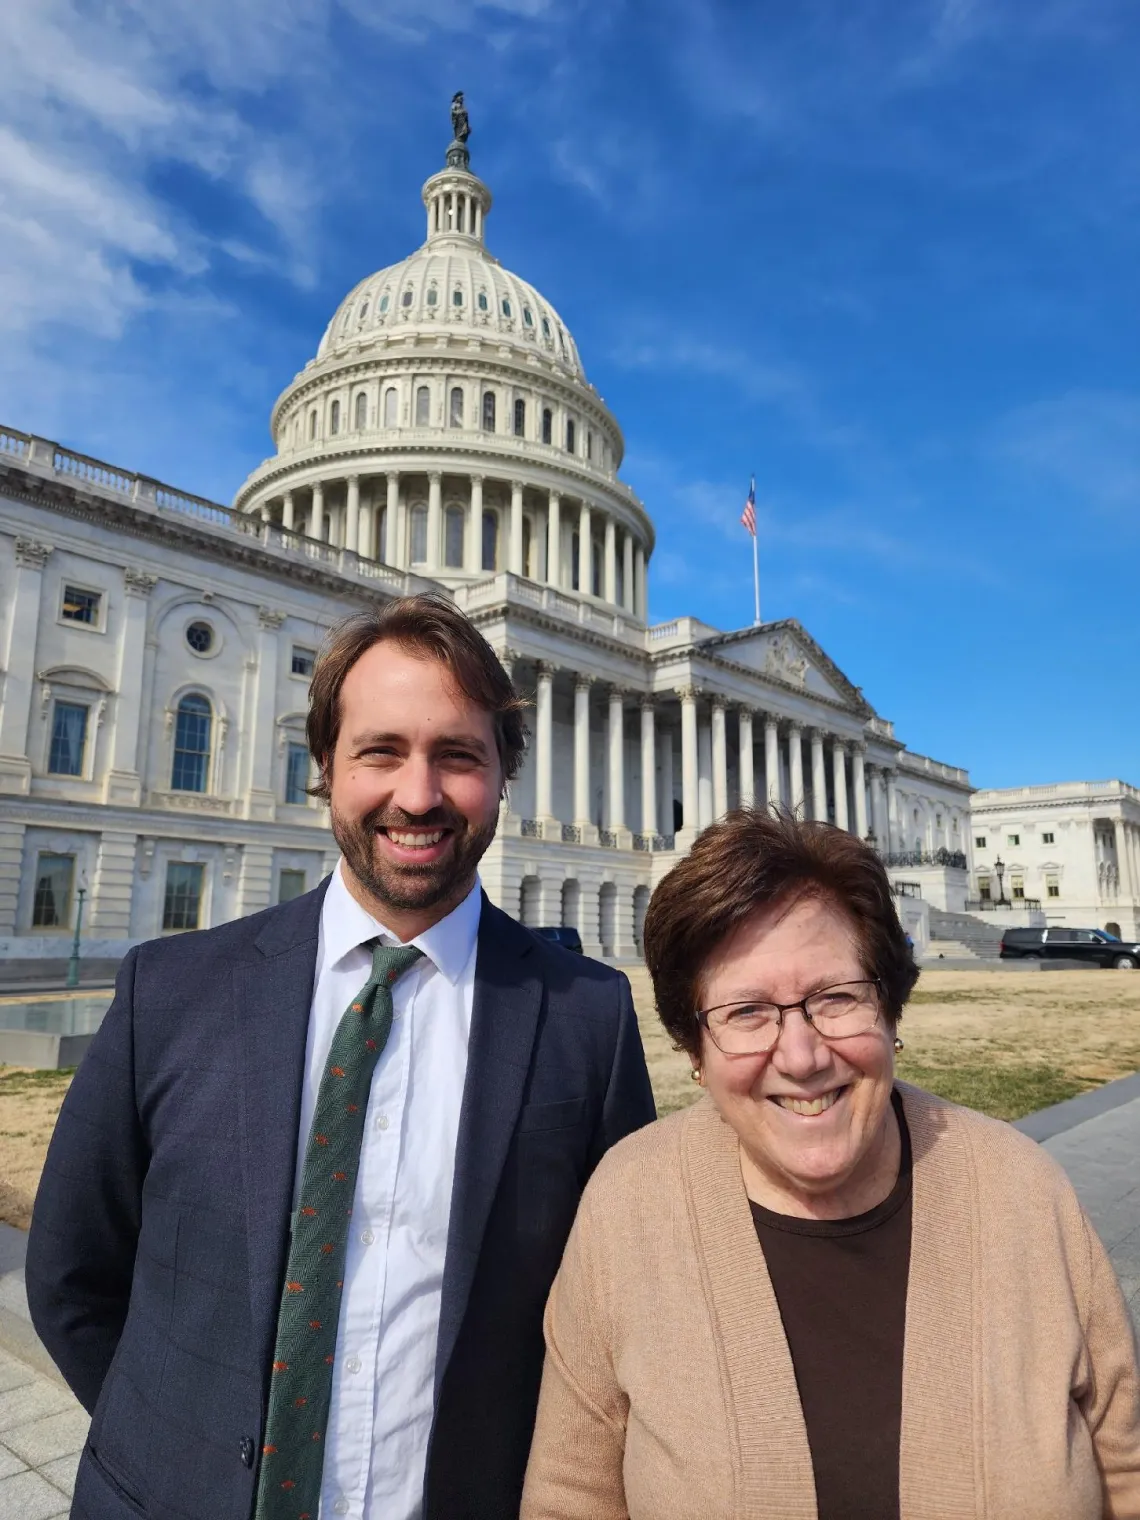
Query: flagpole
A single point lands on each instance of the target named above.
(756, 575)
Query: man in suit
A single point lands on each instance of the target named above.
(311, 1185)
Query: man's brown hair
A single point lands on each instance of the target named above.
(429, 625)
(751, 860)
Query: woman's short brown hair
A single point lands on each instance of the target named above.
(428, 625)
(751, 860)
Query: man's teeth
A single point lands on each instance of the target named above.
(810, 1106)
(415, 841)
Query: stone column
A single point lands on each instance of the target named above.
(818, 777)
(627, 572)
(892, 811)
(689, 806)
(352, 515)
(316, 524)
(435, 521)
(473, 537)
(554, 540)
(772, 760)
(287, 512)
(616, 752)
(648, 768)
(582, 752)
(796, 767)
(515, 556)
(859, 787)
(839, 779)
(609, 581)
(20, 664)
(261, 799)
(640, 589)
(747, 759)
(1123, 859)
(366, 539)
(704, 774)
(544, 743)
(879, 805)
(122, 785)
(585, 550)
(394, 547)
(719, 759)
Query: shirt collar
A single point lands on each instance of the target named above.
(447, 944)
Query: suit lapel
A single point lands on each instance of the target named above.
(504, 1020)
(273, 993)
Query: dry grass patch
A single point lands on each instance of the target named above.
(29, 1105)
(1004, 1042)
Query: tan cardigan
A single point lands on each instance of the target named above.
(669, 1392)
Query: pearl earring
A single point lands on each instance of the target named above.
(695, 1074)
(898, 1043)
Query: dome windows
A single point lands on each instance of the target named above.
(520, 418)
(423, 406)
(363, 311)
(482, 300)
(432, 295)
(334, 418)
(455, 410)
(547, 425)
(313, 423)
(506, 308)
(406, 298)
(383, 303)
(546, 327)
(361, 416)
(570, 435)
(528, 317)
(488, 411)
(453, 538)
(390, 406)
(457, 297)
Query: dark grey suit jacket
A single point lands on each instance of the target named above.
(160, 1233)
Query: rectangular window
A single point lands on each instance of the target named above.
(68, 739)
(1013, 839)
(297, 774)
(290, 884)
(81, 606)
(182, 903)
(1052, 884)
(303, 661)
(51, 906)
(1017, 887)
(984, 888)
(1046, 839)
(980, 842)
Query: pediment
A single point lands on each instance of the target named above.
(73, 675)
(785, 652)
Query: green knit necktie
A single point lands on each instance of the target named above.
(293, 1453)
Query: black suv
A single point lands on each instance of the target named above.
(569, 939)
(1096, 946)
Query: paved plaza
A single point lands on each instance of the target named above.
(1096, 1138)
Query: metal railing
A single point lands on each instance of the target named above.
(906, 888)
(571, 834)
(531, 828)
(992, 905)
(954, 859)
(607, 839)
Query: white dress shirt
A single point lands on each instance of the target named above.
(384, 1373)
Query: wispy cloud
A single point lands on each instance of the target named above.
(1083, 446)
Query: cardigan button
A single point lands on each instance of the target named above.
(247, 1451)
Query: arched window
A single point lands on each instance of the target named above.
(423, 406)
(488, 411)
(482, 300)
(406, 298)
(490, 540)
(506, 307)
(390, 405)
(383, 303)
(528, 317)
(528, 541)
(192, 724)
(453, 538)
(569, 435)
(455, 411)
(457, 297)
(363, 310)
(520, 418)
(313, 423)
(361, 411)
(547, 425)
(546, 327)
(334, 418)
(432, 295)
(419, 535)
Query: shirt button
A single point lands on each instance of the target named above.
(382, 1122)
(353, 1365)
(341, 1505)
(367, 1237)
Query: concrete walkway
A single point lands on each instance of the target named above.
(1096, 1138)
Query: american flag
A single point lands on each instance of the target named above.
(748, 516)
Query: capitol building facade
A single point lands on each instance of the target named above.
(157, 647)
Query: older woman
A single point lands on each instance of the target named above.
(819, 1292)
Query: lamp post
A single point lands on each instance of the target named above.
(73, 963)
(999, 872)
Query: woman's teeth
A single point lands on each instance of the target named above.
(415, 841)
(810, 1106)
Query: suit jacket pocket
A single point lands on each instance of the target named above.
(535, 1117)
(119, 1486)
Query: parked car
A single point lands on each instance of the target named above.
(1096, 946)
(569, 939)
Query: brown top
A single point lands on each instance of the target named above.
(840, 1285)
(669, 1390)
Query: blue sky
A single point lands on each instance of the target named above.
(884, 254)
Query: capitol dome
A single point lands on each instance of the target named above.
(446, 427)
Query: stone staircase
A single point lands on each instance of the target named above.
(962, 937)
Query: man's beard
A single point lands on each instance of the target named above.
(410, 886)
